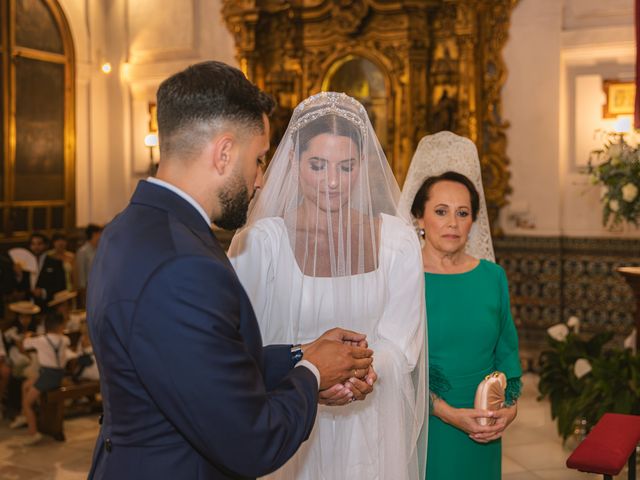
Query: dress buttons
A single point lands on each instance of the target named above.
(108, 445)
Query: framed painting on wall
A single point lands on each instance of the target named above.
(620, 98)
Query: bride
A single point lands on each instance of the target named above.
(324, 247)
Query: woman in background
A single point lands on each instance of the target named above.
(471, 332)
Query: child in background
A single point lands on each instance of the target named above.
(5, 372)
(87, 367)
(51, 349)
(61, 302)
(26, 321)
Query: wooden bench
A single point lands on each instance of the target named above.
(51, 417)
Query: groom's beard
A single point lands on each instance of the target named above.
(234, 202)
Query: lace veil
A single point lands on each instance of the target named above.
(324, 246)
(435, 155)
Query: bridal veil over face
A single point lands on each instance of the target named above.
(325, 247)
(440, 153)
(329, 180)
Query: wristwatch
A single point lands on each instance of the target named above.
(296, 353)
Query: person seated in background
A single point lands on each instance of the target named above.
(84, 259)
(26, 321)
(86, 367)
(76, 321)
(49, 279)
(61, 303)
(59, 251)
(7, 281)
(5, 373)
(51, 349)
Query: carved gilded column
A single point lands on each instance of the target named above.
(494, 31)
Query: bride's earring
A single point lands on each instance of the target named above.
(421, 232)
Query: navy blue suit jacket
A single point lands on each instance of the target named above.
(189, 391)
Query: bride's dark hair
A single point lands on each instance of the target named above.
(333, 124)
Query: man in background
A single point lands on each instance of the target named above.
(84, 260)
(42, 285)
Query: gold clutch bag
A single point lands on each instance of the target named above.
(490, 395)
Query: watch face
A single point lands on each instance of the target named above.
(296, 353)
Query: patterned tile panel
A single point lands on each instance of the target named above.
(553, 278)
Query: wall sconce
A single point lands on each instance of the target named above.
(151, 141)
(106, 68)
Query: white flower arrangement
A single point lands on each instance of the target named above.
(574, 323)
(630, 341)
(617, 168)
(581, 367)
(558, 332)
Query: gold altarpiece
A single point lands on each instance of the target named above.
(418, 66)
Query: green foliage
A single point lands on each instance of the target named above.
(617, 168)
(612, 385)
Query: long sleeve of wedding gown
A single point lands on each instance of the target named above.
(399, 355)
(251, 254)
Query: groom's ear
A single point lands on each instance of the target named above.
(222, 152)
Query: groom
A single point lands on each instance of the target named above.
(189, 391)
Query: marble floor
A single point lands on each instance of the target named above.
(532, 449)
(49, 459)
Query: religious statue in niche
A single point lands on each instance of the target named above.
(444, 113)
(445, 68)
(362, 79)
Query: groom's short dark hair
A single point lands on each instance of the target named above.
(195, 103)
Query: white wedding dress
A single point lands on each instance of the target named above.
(324, 247)
(363, 440)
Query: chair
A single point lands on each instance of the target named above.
(609, 445)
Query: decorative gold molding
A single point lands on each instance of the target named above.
(442, 61)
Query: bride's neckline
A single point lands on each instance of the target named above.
(322, 277)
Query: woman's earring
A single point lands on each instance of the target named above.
(421, 232)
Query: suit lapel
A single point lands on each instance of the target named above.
(159, 197)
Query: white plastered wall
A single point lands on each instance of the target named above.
(558, 54)
(145, 41)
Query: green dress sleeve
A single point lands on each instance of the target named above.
(507, 356)
(438, 385)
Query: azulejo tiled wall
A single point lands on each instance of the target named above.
(553, 278)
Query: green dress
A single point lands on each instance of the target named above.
(471, 334)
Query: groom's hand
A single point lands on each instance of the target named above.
(346, 336)
(337, 361)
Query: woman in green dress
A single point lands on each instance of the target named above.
(471, 332)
